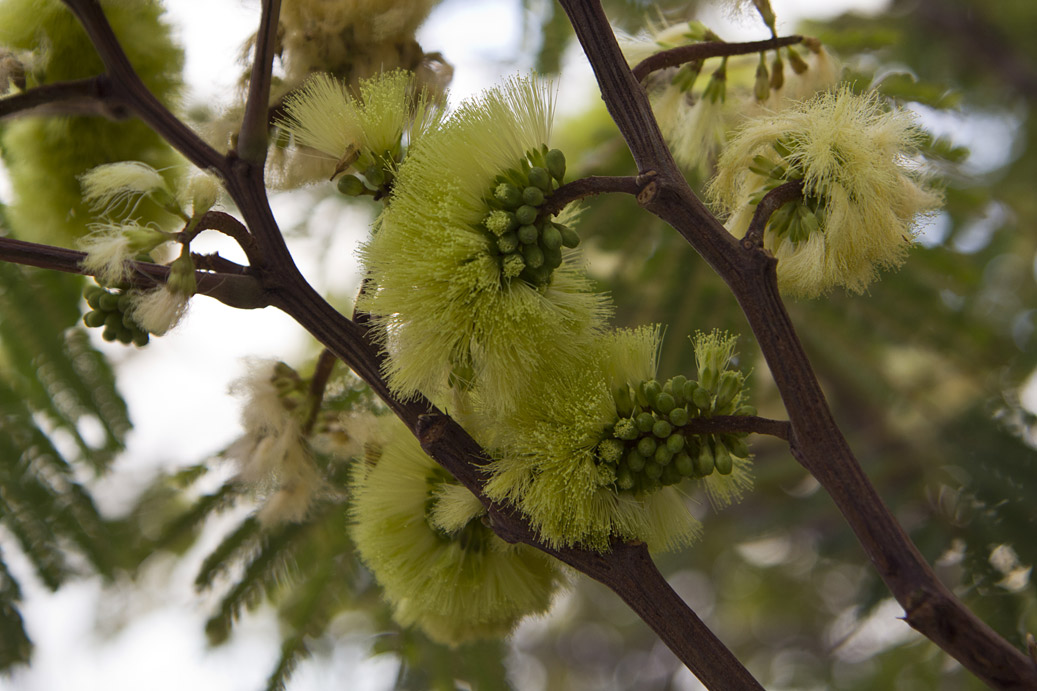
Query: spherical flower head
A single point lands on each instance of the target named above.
(439, 566)
(443, 294)
(548, 462)
(860, 194)
(361, 130)
(272, 454)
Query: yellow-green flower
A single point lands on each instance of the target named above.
(551, 464)
(469, 283)
(861, 195)
(439, 566)
(362, 132)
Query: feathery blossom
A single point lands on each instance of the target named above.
(860, 194)
(362, 132)
(273, 454)
(458, 294)
(551, 467)
(439, 566)
(119, 186)
(110, 245)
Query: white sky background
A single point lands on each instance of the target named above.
(177, 391)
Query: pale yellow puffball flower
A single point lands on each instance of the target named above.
(854, 154)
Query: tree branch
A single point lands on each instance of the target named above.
(252, 139)
(711, 49)
(771, 202)
(736, 424)
(816, 441)
(77, 97)
(587, 187)
(234, 290)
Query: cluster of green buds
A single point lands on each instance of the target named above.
(774, 78)
(527, 243)
(650, 445)
(375, 173)
(798, 219)
(110, 310)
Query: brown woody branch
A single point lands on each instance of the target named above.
(232, 289)
(771, 202)
(710, 49)
(738, 424)
(817, 443)
(78, 97)
(588, 187)
(252, 139)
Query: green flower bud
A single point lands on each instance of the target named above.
(351, 186)
(125, 301)
(677, 389)
(662, 429)
(664, 403)
(109, 302)
(512, 265)
(645, 422)
(746, 409)
(762, 85)
(709, 378)
(540, 178)
(528, 235)
(671, 476)
(508, 242)
(500, 222)
(652, 389)
(508, 195)
(555, 160)
(679, 417)
(684, 465)
(109, 335)
(736, 445)
(777, 71)
(798, 64)
(662, 454)
(610, 450)
(728, 388)
(705, 462)
(653, 470)
(570, 238)
(635, 461)
(626, 429)
(533, 196)
(675, 442)
(701, 398)
(624, 403)
(375, 175)
(551, 238)
(724, 462)
(533, 255)
(94, 318)
(526, 214)
(624, 480)
(141, 338)
(552, 258)
(124, 336)
(646, 447)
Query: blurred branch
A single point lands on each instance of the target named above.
(711, 49)
(252, 139)
(78, 97)
(735, 424)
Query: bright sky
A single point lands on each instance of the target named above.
(160, 646)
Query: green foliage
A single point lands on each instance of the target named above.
(45, 155)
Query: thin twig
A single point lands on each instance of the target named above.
(735, 424)
(232, 289)
(711, 49)
(255, 127)
(318, 384)
(76, 97)
(587, 187)
(771, 202)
